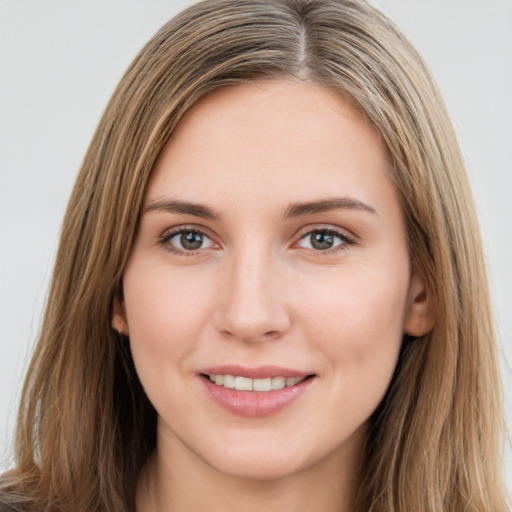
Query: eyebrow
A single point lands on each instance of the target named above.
(183, 207)
(294, 210)
(326, 205)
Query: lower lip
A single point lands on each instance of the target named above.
(255, 404)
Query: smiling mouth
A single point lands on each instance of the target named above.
(255, 392)
(259, 385)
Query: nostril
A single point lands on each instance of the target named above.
(251, 335)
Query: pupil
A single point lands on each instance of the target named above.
(322, 241)
(191, 241)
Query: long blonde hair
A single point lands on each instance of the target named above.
(85, 426)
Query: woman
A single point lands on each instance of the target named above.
(269, 285)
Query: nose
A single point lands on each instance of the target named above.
(252, 305)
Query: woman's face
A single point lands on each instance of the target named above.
(271, 252)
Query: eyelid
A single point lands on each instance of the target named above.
(348, 238)
(320, 226)
(169, 233)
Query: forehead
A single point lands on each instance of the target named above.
(271, 139)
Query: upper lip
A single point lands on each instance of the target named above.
(258, 372)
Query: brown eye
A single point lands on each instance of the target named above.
(191, 241)
(321, 240)
(187, 240)
(324, 240)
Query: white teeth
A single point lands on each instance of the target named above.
(291, 381)
(278, 382)
(229, 381)
(262, 384)
(243, 384)
(246, 384)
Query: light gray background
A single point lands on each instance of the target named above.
(59, 63)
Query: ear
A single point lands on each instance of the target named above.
(119, 322)
(419, 316)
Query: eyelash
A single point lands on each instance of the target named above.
(166, 238)
(346, 240)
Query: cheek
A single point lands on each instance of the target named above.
(166, 313)
(356, 328)
(356, 321)
(162, 303)
(357, 302)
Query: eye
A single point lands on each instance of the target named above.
(186, 241)
(325, 240)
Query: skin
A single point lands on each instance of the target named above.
(257, 292)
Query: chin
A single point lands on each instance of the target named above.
(259, 469)
(267, 460)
